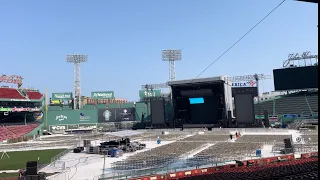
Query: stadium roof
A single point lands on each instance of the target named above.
(195, 81)
(125, 133)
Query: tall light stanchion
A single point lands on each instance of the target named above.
(77, 60)
(172, 56)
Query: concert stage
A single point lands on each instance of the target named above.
(201, 102)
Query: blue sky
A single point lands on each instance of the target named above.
(124, 39)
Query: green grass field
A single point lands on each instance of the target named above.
(18, 159)
(5, 175)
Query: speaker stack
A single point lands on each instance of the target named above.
(229, 119)
(288, 146)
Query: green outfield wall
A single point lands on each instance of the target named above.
(89, 115)
(72, 117)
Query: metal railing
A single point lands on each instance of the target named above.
(60, 155)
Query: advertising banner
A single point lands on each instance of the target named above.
(273, 118)
(292, 116)
(58, 128)
(72, 117)
(87, 126)
(73, 126)
(62, 96)
(116, 115)
(150, 93)
(34, 109)
(245, 84)
(20, 109)
(5, 109)
(37, 116)
(102, 95)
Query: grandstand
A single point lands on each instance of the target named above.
(20, 113)
(301, 103)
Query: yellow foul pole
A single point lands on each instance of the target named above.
(46, 104)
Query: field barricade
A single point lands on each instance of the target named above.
(212, 170)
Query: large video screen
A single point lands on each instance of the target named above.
(295, 78)
(196, 100)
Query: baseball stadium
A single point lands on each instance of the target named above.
(209, 128)
(220, 127)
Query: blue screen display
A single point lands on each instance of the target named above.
(196, 100)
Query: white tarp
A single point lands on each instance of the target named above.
(125, 133)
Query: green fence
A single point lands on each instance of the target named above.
(72, 117)
(89, 114)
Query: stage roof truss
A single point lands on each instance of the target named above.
(196, 81)
(249, 78)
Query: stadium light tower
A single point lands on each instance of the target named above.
(172, 56)
(77, 60)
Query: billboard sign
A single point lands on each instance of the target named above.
(73, 126)
(20, 109)
(61, 118)
(150, 93)
(62, 96)
(58, 128)
(116, 115)
(87, 126)
(72, 117)
(5, 109)
(84, 117)
(273, 118)
(102, 95)
(34, 109)
(292, 116)
(37, 116)
(245, 84)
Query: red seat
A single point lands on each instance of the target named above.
(34, 95)
(10, 132)
(10, 93)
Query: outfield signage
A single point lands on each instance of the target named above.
(34, 109)
(5, 109)
(19, 109)
(62, 96)
(245, 84)
(149, 93)
(72, 117)
(273, 118)
(37, 116)
(84, 117)
(102, 95)
(116, 115)
(20, 100)
(58, 128)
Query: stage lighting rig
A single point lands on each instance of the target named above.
(77, 60)
(172, 56)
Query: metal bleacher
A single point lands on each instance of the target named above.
(301, 103)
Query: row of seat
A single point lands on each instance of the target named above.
(291, 104)
(296, 169)
(11, 93)
(11, 132)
